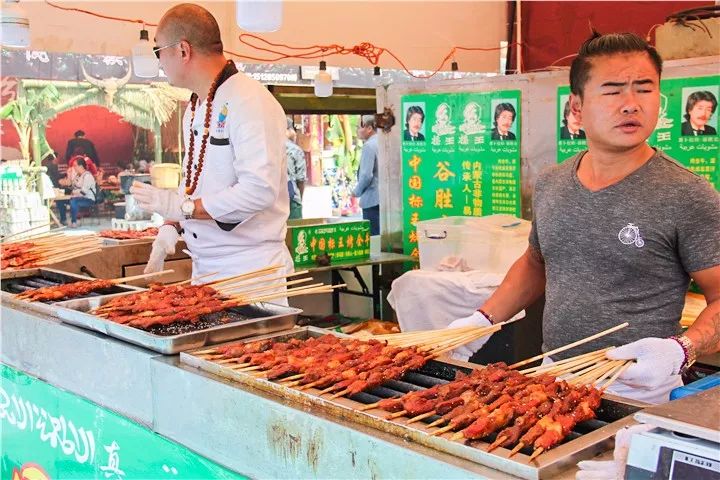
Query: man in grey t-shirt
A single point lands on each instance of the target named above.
(618, 231)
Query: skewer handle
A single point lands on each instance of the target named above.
(569, 346)
(138, 277)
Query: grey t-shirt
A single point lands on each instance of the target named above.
(621, 254)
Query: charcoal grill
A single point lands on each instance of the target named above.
(587, 439)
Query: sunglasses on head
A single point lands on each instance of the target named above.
(156, 50)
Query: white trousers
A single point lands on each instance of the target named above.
(246, 260)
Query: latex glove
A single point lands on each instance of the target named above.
(466, 351)
(165, 203)
(656, 360)
(612, 469)
(163, 246)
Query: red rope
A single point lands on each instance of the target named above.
(370, 52)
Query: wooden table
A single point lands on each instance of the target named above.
(380, 280)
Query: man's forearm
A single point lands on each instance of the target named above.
(523, 284)
(705, 331)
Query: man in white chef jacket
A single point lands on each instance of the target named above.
(232, 204)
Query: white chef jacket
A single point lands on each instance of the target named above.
(243, 180)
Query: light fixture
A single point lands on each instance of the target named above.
(259, 15)
(323, 82)
(15, 28)
(145, 63)
(455, 69)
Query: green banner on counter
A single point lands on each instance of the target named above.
(49, 434)
(460, 157)
(687, 128)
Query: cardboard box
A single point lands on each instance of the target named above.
(343, 240)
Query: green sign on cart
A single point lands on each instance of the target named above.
(49, 434)
(460, 157)
(687, 127)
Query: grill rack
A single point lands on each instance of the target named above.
(18, 281)
(587, 439)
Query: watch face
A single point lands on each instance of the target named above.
(187, 207)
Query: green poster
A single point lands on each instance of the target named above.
(49, 434)
(686, 129)
(460, 157)
(570, 134)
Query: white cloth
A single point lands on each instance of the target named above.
(612, 469)
(244, 177)
(245, 259)
(427, 300)
(163, 245)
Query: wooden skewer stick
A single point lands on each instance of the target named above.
(602, 372)
(369, 406)
(615, 376)
(552, 366)
(290, 379)
(399, 414)
(516, 449)
(570, 367)
(442, 430)
(244, 295)
(614, 365)
(436, 422)
(144, 275)
(226, 360)
(457, 436)
(4, 239)
(190, 280)
(536, 454)
(250, 369)
(498, 441)
(569, 346)
(578, 376)
(205, 352)
(421, 417)
(340, 393)
(328, 389)
(244, 284)
(255, 273)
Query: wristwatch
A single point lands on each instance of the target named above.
(187, 207)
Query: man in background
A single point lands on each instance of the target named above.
(367, 181)
(297, 171)
(79, 145)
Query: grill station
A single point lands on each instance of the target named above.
(585, 441)
(20, 281)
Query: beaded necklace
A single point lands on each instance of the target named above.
(191, 181)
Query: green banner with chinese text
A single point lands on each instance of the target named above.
(687, 127)
(460, 157)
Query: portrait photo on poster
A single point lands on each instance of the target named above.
(504, 115)
(414, 122)
(569, 125)
(471, 125)
(442, 124)
(699, 107)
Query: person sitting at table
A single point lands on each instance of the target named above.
(83, 193)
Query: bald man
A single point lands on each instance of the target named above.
(232, 203)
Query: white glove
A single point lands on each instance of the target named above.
(163, 246)
(165, 203)
(477, 319)
(612, 469)
(657, 359)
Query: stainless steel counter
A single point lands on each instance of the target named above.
(245, 430)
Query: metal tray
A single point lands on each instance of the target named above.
(615, 415)
(266, 318)
(50, 274)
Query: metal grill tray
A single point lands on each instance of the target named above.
(586, 441)
(264, 318)
(42, 277)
